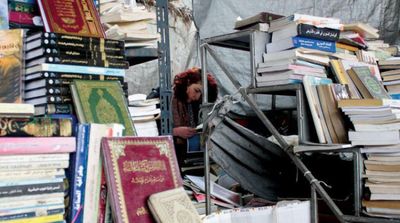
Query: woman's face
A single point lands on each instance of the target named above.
(194, 92)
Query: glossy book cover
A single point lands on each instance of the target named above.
(74, 17)
(137, 167)
(11, 65)
(101, 102)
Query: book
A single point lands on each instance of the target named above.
(262, 17)
(61, 75)
(83, 20)
(49, 99)
(343, 77)
(298, 41)
(66, 59)
(305, 30)
(140, 166)
(382, 165)
(172, 205)
(101, 102)
(11, 66)
(367, 84)
(36, 145)
(36, 126)
(309, 83)
(326, 22)
(364, 29)
(3, 15)
(14, 110)
(49, 109)
(309, 55)
(369, 102)
(47, 91)
(76, 69)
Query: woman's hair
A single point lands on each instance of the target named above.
(193, 76)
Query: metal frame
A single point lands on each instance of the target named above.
(164, 67)
(235, 40)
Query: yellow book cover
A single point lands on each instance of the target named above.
(11, 65)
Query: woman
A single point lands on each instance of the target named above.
(186, 102)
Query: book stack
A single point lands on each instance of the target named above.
(376, 127)
(390, 71)
(357, 34)
(144, 114)
(298, 48)
(24, 14)
(221, 198)
(132, 23)
(33, 184)
(54, 60)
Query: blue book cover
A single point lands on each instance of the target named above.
(395, 96)
(78, 174)
(193, 144)
(314, 44)
(3, 14)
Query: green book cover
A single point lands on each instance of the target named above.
(372, 84)
(101, 102)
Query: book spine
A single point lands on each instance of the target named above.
(89, 45)
(61, 59)
(102, 198)
(21, 18)
(78, 174)
(77, 38)
(56, 75)
(64, 68)
(36, 145)
(40, 219)
(31, 189)
(32, 214)
(30, 174)
(36, 126)
(49, 109)
(49, 99)
(314, 44)
(311, 31)
(61, 52)
(34, 165)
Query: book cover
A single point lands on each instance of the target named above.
(172, 206)
(101, 102)
(372, 85)
(141, 166)
(36, 126)
(11, 65)
(82, 18)
(3, 15)
(36, 145)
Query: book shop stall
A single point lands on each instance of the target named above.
(184, 111)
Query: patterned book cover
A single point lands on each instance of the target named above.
(101, 102)
(75, 17)
(172, 206)
(11, 65)
(137, 167)
(36, 126)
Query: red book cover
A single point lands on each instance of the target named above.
(74, 17)
(137, 167)
(36, 145)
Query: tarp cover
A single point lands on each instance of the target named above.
(217, 17)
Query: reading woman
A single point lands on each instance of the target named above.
(186, 101)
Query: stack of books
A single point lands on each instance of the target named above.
(54, 60)
(33, 184)
(144, 114)
(390, 71)
(24, 14)
(297, 48)
(376, 127)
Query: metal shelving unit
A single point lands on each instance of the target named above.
(254, 42)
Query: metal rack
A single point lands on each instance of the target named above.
(254, 42)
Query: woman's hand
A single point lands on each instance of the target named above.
(184, 132)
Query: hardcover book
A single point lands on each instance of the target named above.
(172, 206)
(367, 83)
(11, 65)
(36, 126)
(138, 166)
(82, 18)
(101, 102)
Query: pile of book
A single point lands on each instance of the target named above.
(54, 60)
(390, 71)
(131, 23)
(376, 127)
(34, 157)
(24, 14)
(144, 113)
